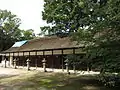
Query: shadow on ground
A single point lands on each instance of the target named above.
(51, 81)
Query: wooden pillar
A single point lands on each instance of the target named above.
(11, 61)
(62, 60)
(74, 64)
(18, 59)
(52, 60)
(23, 59)
(29, 61)
(44, 54)
(36, 59)
(3, 57)
(5, 61)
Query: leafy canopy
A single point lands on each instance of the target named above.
(96, 22)
(10, 31)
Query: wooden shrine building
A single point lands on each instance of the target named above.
(52, 49)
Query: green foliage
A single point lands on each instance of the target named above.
(110, 80)
(9, 30)
(96, 23)
(27, 34)
(75, 59)
(46, 30)
(60, 14)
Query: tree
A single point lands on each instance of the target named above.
(46, 30)
(60, 14)
(9, 29)
(94, 22)
(27, 34)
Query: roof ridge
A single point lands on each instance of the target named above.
(43, 38)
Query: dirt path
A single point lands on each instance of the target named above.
(10, 72)
(19, 79)
(6, 73)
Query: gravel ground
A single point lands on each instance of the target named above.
(21, 71)
(10, 72)
(21, 79)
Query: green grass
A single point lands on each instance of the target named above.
(34, 80)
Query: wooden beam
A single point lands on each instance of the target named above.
(48, 52)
